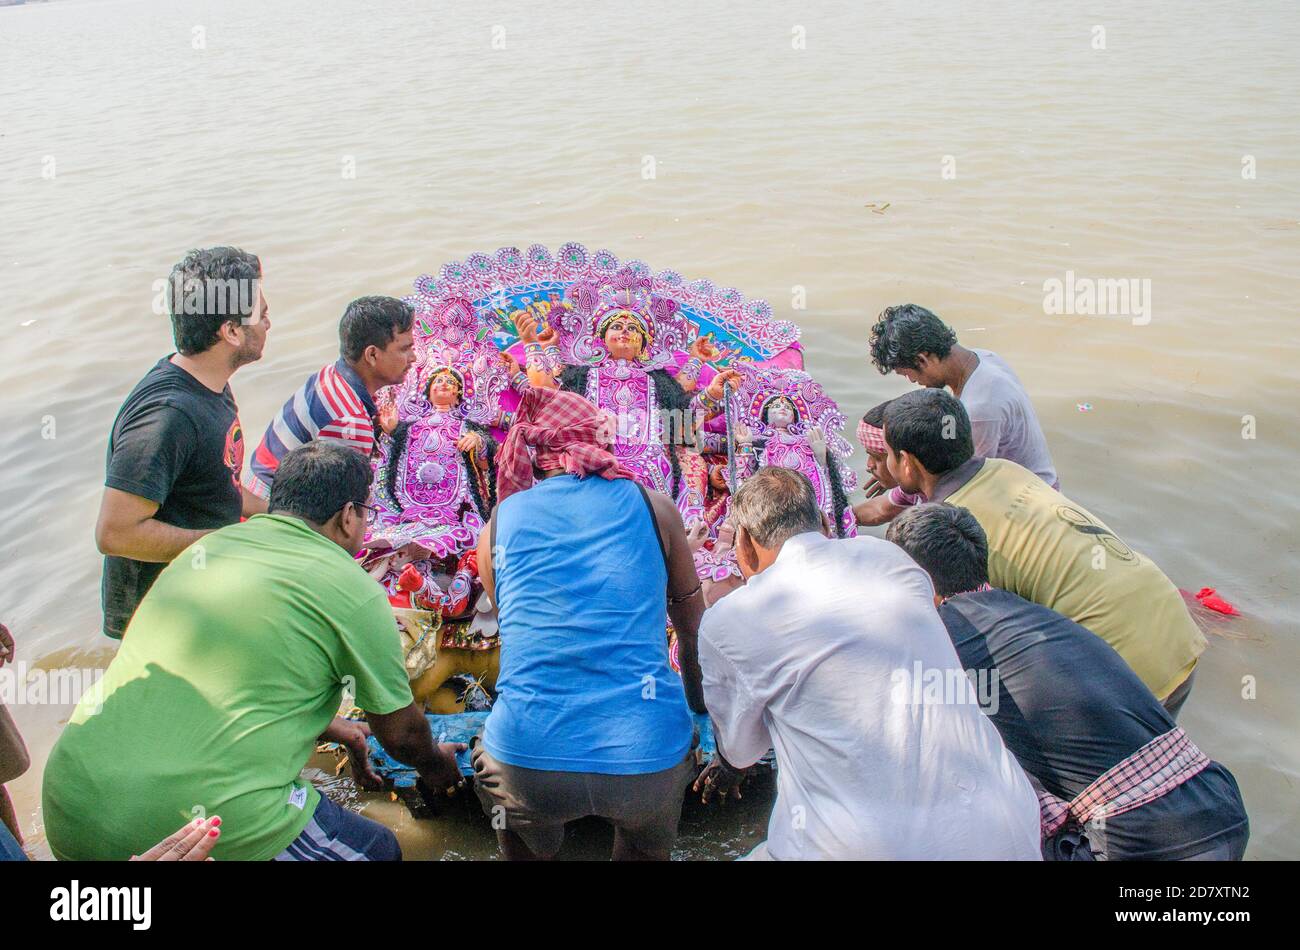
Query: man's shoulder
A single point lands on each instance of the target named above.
(996, 382)
(296, 547)
(168, 389)
(731, 612)
(987, 608)
(338, 392)
(996, 471)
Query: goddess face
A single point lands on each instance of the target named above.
(780, 413)
(444, 390)
(624, 338)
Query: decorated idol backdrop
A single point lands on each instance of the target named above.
(650, 348)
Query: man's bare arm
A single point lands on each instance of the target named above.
(685, 599)
(876, 511)
(486, 574)
(406, 736)
(127, 528)
(253, 504)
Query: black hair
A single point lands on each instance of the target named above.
(316, 480)
(875, 416)
(668, 393)
(210, 287)
(947, 542)
(933, 426)
(839, 501)
(774, 504)
(397, 451)
(905, 332)
(372, 321)
(767, 406)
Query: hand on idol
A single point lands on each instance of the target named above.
(716, 385)
(743, 434)
(608, 431)
(726, 537)
(719, 778)
(697, 534)
(470, 442)
(191, 842)
(352, 736)
(377, 567)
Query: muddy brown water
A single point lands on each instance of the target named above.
(832, 160)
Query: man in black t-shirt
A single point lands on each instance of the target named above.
(1069, 707)
(176, 451)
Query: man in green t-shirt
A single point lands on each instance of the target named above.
(1045, 547)
(233, 666)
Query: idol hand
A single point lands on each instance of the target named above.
(526, 326)
(696, 536)
(817, 441)
(715, 389)
(704, 350)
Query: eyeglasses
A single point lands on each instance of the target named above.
(372, 513)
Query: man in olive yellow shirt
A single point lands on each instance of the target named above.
(1045, 547)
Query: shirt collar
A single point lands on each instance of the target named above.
(353, 379)
(958, 477)
(799, 544)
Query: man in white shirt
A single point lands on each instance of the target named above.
(833, 655)
(913, 342)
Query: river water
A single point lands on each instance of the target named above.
(833, 159)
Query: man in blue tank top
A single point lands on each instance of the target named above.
(589, 719)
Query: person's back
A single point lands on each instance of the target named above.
(1052, 551)
(832, 654)
(233, 666)
(1003, 422)
(1070, 708)
(585, 684)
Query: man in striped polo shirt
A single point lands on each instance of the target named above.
(375, 350)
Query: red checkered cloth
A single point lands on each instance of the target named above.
(1157, 768)
(872, 438)
(564, 431)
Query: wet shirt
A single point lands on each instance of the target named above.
(1070, 708)
(332, 404)
(585, 684)
(1002, 419)
(235, 662)
(179, 444)
(828, 657)
(1055, 552)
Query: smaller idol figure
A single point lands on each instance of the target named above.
(434, 483)
(789, 420)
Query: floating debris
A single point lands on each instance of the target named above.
(1084, 406)
(1211, 600)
